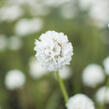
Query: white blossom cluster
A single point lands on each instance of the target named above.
(53, 50)
(11, 43)
(28, 26)
(96, 8)
(40, 7)
(36, 70)
(65, 72)
(102, 95)
(80, 101)
(14, 79)
(93, 75)
(68, 10)
(10, 13)
(55, 3)
(106, 65)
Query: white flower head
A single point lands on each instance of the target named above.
(80, 101)
(38, 8)
(28, 26)
(65, 72)
(93, 75)
(106, 65)
(68, 11)
(102, 95)
(10, 13)
(15, 43)
(53, 50)
(96, 9)
(55, 3)
(18, 2)
(3, 42)
(36, 70)
(14, 79)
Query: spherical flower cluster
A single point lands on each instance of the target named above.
(65, 72)
(10, 13)
(27, 26)
(36, 70)
(54, 3)
(14, 79)
(68, 10)
(96, 9)
(18, 2)
(102, 95)
(93, 75)
(53, 50)
(106, 65)
(80, 101)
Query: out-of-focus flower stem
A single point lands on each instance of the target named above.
(63, 89)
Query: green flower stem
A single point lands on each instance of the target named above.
(63, 89)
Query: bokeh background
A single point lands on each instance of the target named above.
(22, 21)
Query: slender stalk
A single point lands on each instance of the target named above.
(63, 89)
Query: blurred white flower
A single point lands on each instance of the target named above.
(87, 4)
(37, 8)
(68, 11)
(93, 75)
(14, 79)
(54, 3)
(106, 65)
(15, 43)
(102, 95)
(28, 26)
(3, 42)
(96, 9)
(53, 50)
(18, 1)
(80, 101)
(65, 72)
(10, 13)
(47, 3)
(36, 70)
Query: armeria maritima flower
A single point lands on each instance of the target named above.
(106, 65)
(93, 75)
(80, 101)
(53, 50)
(102, 95)
(14, 79)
